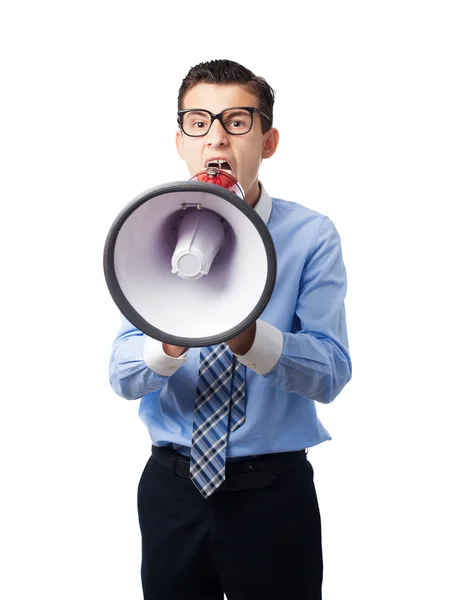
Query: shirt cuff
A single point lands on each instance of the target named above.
(266, 350)
(159, 362)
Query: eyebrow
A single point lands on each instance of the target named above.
(197, 110)
(234, 110)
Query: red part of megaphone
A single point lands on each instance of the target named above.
(220, 178)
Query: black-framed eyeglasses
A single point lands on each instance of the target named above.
(236, 120)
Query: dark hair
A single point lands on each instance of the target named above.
(227, 72)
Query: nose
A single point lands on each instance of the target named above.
(217, 136)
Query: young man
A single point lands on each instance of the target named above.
(227, 502)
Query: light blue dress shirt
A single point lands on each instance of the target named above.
(306, 319)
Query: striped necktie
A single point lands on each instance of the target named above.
(219, 407)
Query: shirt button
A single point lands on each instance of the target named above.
(250, 467)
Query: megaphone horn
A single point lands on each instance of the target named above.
(190, 263)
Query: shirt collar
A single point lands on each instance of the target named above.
(264, 205)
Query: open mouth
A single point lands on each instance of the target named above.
(221, 164)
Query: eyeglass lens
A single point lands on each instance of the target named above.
(237, 121)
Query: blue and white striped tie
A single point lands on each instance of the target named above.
(219, 407)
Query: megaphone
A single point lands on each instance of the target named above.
(190, 263)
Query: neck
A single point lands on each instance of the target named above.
(253, 195)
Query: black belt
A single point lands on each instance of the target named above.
(250, 472)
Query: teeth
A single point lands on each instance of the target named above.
(218, 161)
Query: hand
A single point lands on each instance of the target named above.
(243, 342)
(173, 351)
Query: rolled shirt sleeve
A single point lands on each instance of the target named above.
(266, 350)
(313, 359)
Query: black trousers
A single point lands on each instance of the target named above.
(250, 544)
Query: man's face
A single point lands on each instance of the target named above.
(243, 152)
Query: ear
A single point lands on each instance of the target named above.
(271, 143)
(180, 144)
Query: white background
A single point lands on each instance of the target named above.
(88, 100)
